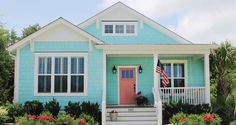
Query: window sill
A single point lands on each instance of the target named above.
(60, 94)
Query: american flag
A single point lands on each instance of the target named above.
(160, 69)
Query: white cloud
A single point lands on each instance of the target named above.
(201, 21)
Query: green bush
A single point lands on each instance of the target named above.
(172, 108)
(64, 119)
(225, 109)
(33, 107)
(91, 109)
(195, 119)
(73, 108)
(53, 107)
(15, 110)
(3, 114)
(46, 113)
(233, 122)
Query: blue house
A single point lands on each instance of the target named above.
(108, 59)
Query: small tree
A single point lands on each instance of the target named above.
(6, 68)
(223, 62)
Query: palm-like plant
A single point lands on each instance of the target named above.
(223, 61)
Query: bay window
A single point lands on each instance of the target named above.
(61, 75)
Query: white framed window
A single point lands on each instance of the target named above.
(119, 28)
(176, 71)
(60, 74)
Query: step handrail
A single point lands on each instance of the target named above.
(158, 105)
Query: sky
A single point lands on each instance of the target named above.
(200, 21)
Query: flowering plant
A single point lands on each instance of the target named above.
(85, 119)
(194, 119)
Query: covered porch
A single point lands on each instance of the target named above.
(187, 67)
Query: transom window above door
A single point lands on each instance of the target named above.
(61, 74)
(176, 71)
(119, 28)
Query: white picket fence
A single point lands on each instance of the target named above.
(190, 95)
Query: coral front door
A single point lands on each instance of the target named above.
(127, 84)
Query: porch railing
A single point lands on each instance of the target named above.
(190, 95)
(158, 105)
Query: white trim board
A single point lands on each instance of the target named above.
(118, 80)
(48, 27)
(53, 55)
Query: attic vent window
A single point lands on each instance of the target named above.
(119, 28)
(130, 29)
(108, 28)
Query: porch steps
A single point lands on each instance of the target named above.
(133, 116)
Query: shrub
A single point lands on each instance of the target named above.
(91, 109)
(64, 119)
(46, 113)
(233, 122)
(53, 107)
(172, 108)
(195, 119)
(24, 121)
(3, 114)
(73, 108)
(15, 110)
(33, 107)
(225, 109)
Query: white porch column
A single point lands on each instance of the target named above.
(156, 76)
(207, 78)
(104, 84)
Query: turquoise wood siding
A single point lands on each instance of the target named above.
(46, 46)
(26, 73)
(146, 35)
(195, 75)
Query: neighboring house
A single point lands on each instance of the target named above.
(108, 59)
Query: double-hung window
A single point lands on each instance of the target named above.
(176, 71)
(44, 74)
(77, 74)
(61, 70)
(61, 74)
